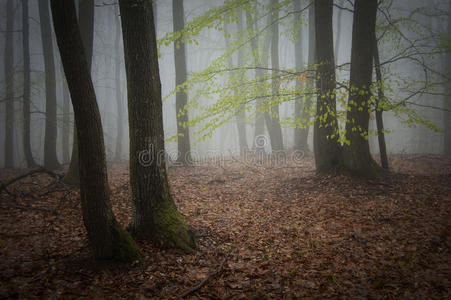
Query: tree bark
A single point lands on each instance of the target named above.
(9, 88)
(301, 105)
(119, 98)
(66, 119)
(50, 156)
(326, 134)
(379, 110)
(107, 238)
(86, 17)
(155, 215)
(447, 100)
(272, 116)
(181, 98)
(356, 155)
(26, 87)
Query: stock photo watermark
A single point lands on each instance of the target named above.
(257, 155)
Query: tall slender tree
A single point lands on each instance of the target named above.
(50, 156)
(155, 215)
(9, 82)
(119, 96)
(301, 105)
(26, 86)
(356, 154)
(447, 103)
(181, 98)
(107, 238)
(272, 116)
(65, 134)
(326, 146)
(86, 18)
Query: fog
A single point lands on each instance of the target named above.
(420, 78)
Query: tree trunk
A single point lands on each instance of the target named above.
(356, 155)
(379, 110)
(107, 238)
(155, 215)
(240, 112)
(86, 17)
(302, 104)
(259, 73)
(272, 116)
(447, 100)
(9, 82)
(119, 98)
(181, 98)
(50, 157)
(326, 134)
(66, 119)
(26, 86)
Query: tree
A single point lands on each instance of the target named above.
(66, 119)
(50, 157)
(272, 116)
(378, 103)
(356, 154)
(326, 135)
(86, 17)
(181, 98)
(119, 98)
(26, 86)
(155, 215)
(9, 82)
(302, 105)
(107, 238)
(447, 101)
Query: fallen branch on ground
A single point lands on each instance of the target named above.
(3, 186)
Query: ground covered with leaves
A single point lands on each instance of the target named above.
(264, 231)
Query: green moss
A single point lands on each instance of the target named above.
(124, 247)
(170, 229)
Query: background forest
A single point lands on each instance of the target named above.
(225, 149)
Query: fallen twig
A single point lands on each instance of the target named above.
(3, 186)
(204, 281)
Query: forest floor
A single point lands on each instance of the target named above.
(263, 232)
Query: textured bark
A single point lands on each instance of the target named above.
(86, 17)
(119, 98)
(181, 98)
(50, 157)
(107, 238)
(66, 119)
(447, 103)
(301, 105)
(357, 157)
(155, 215)
(26, 87)
(325, 135)
(272, 117)
(9, 82)
(379, 111)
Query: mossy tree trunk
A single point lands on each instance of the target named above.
(326, 146)
(9, 82)
(50, 156)
(107, 238)
(356, 154)
(181, 98)
(86, 18)
(301, 104)
(447, 99)
(155, 215)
